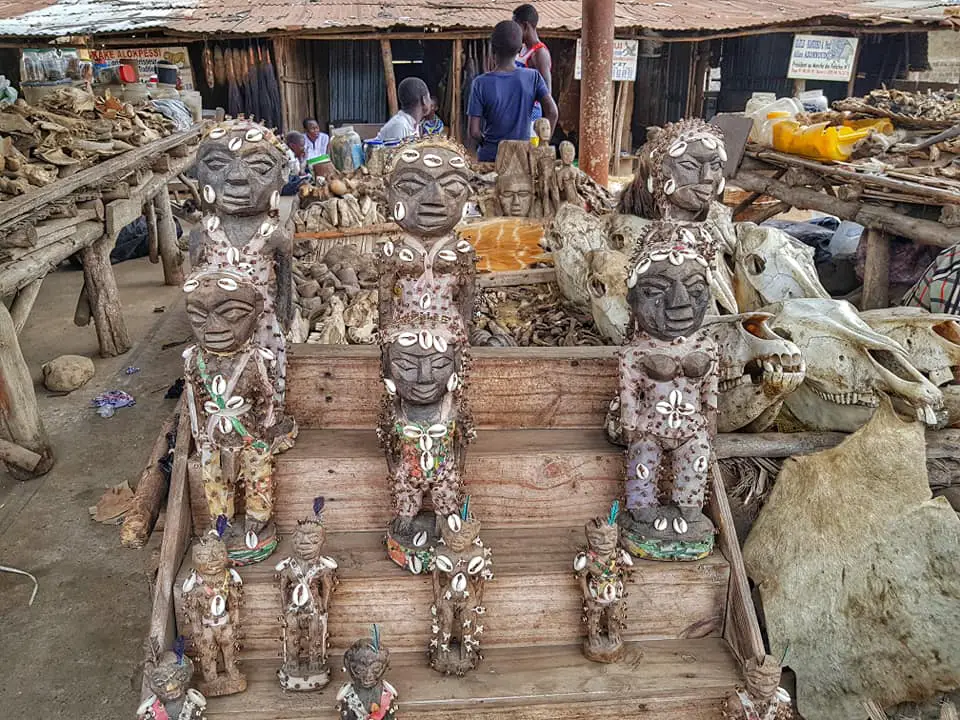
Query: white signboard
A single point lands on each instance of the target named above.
(146, 59)
(822, 57)
(624, 60)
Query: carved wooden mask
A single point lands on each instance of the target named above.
(428, 189)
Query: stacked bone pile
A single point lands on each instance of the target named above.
(68, 131)
(931, 109)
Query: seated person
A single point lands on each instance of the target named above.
(432, 124)
(297, 155)
(315, 142)
(414, 98)
(501, 101)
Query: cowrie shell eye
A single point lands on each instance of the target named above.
(453, 383)
(439, 343)
(228, 284)
(432, 161)
(267, 228)
(191, 285)
(235, 144)
(425, 339)
(407, 339)
(454, 523)
(209, 194)
(217, 133)
(213, 223)
(275, 200)
(410, 156)
(399, 211)
(660, 524)
(458, 162)
(670, 187)
(405, 254)
(254, 135)
(677, 149)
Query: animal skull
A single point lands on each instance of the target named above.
(770, 266)
(574, 233)
(758, 369)
(607, 283)
(933, 343)
(847, 365)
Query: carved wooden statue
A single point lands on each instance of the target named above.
(601, 570)
(367, 696)
(567, 180)
(212, 597)
(668, 394)
(762, 698)
(307, 580)
(168, 674)
(515, 190)
(231, 395)
(424, 428)
(545, 169)
(461, 569)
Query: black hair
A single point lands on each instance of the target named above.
(526, 14)
(410, 92)
(307, 121)
(507, 39)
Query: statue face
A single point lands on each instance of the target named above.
(602, 538)
(697, 174)
(428, 189)
(516, 194)
(169, 679)
(365, 667)
(567, 152)
(210, 558)
(421, 375)
(240, 181)
(223, 321)
(308, 541)
(669, 301)
(541, 127)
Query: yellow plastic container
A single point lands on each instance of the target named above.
(881, 125)
(819, 142)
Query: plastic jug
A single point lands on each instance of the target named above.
(819, 142)
(791, 107)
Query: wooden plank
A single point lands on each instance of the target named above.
(511, 278)
(389, 78)
(655, 680)
(176, 538)
(119, 214)
(456, 90)
(532, 600)
(19, 273)
(23, 304)
(24, 459)
(92, 176)
(876, 273)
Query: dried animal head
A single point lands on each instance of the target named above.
(770, 266)
(607, 282)
(572, 234)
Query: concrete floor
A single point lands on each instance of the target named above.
(74, 652)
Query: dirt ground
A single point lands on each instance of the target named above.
(74, 652)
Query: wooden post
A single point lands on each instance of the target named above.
(620, 110)
(852, 83)
(596, 87)
(456, 90)
(876, 272)
(23, 304)
(799, 86)
(389, 78)
(100, 285)
(701, 69)
(19, 415)
(167, 240)
(150, 212)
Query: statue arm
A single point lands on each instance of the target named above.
(326, 590)
(436, 584)
(584, 588)
(628, 394)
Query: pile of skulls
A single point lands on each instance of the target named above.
(68, 131)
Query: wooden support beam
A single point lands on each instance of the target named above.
(620, 113)
(104, 298)
(170, 254)
(27, 268)
(13, 454)
(876, 272)
(596, 87)
(23, 304)
(121, 213)
(456, 90)
(700, 71)
(20, 421)
(153, 246)
(389, 77)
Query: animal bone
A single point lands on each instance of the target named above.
(770, 266)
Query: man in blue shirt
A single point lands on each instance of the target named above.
(501, 101)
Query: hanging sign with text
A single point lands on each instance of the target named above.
(624, 60)
(822, 57)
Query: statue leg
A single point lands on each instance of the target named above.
(445, 617)
(227, 642)
(218, 492)
(207, 649)
(291, 641)
(643, 467)
(407, 497)
(256, 474)
(445, 494)
(616, 615)
(317, 640)
(691, 461)
(591, 614)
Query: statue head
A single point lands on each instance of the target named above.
(459, 533)
(428, 187)
(367, 661)
(514, 178)
(602, 537)
(762, 677)
(308, 539)
(568, 153)
(668, 286)
(210, 555)
(680, 173)
(541, 126)
(241, 167)
(169, 675)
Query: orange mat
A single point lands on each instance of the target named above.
(505, 243)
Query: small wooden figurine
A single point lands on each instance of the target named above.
(307, 580)
(567, 180)
(545, 171)
(367, 696)
(168, 674)
(461, 569)
(668, 394)
(212, 595)
(601, 570)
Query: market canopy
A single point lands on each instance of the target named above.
(52, 18)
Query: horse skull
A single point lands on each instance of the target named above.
(574, 233)
(607, 284)
(770, 266)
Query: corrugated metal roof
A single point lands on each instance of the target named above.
(46, 18)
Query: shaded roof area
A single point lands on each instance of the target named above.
(48, 18)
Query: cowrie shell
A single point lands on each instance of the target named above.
(722, 152)
(282, 564)
(301, 594)
(476, 565)
(209, 194)
(458, 162)
(267, 228)
(420, 539)
(426, 462)
(632, 280)
(405, 254)
(233, 256)
(211, 407)
(609, 592)
(254, 135)
(437, 431)
(444, 563)
(432, 161)
(218, 605)
(700, 464)
(453, 382)
(447, 255)
(660, 524)
(464, 246)
(224, 425)
(625, 558)
(709, 142)
(388, 248)
(580, 562)
(399, 211)
(670, 187)
(275, 200)
(410, 156)
(454, 523)
(390, 385)
(650, 184)
(213, 223)
(677, 149)
(251, 540)
(722, 184)
(459, 582)
(219, 385)
(235, 144)
(687, 236)
(643, 266)
(643, 472)
(426, 443)
(235, 402)
(439, 344)
(191, 285)
(680, 526)
(228, 284)
(328, 562)
(411, 431)
(425, 301)
(425, 339)
(266, 353)
(415, 564)
(217, 133)
(235, 576)
(190, 583)
(407, 339)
